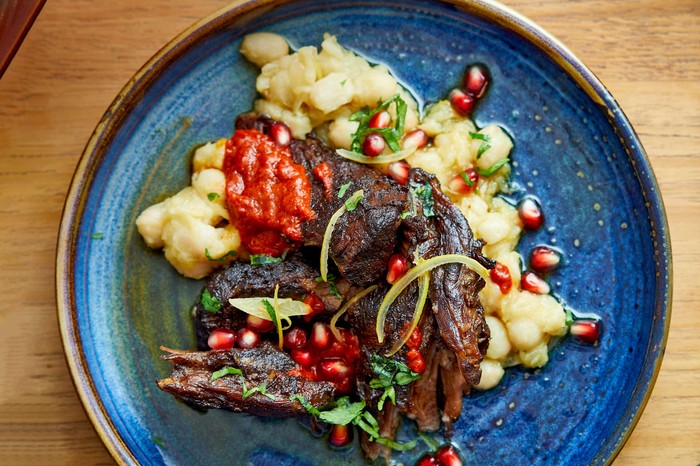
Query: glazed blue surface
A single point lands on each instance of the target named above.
(579, 156)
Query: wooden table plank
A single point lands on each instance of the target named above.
(80, 53)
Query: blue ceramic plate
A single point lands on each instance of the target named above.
(118, 301)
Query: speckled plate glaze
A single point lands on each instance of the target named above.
(118, 301)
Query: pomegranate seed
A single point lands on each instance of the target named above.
(340, 435)
(295, 339)
(258, 324)
(349, 338)
(428, 460)
(531, 282)
(500, 275)
(373, 145)
(462, 102)
(345, 386)
(464, 183)
(530, 213)
(586, 331)
(416, 138)
(316, 304)
(448, 456)
(280, 133)
(320, 335)
(544, 259)
(333, 369)
(302, 357)
(415, 340)
(380, 120)
(415, 361)
(221, 339)
(398, 171)
(476, 80)
(247, 338)
(398, 266)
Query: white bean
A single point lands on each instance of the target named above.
(261, 48)
(499, 345)
(524, 333)
(491, 373)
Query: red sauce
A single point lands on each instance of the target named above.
(323, 172)
(268, 195)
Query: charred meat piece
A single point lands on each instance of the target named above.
(454, 288)
(389, 420)
(424, 398)
(264, 366)
(453, 386)
(296, 277)
(364, 239)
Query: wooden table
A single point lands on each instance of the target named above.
(80, 53)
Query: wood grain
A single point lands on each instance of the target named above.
(80, 53)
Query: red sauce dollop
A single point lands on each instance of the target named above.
(268, 195)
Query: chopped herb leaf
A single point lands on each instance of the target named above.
(432, 444)
(260, 259)
(343, 82)
(306, 404)
(270, 311)
(344, 412)
(390, 393)
(231, 253)
(396, 445)
(482, 148)
(493, 168)
(226, 371)
(210, 302)
(331, 283)
(352, 202)
(405, 214)
(466, 179)
(424, 193)
(569, 318)
(259, 389)
(480, 136)
(212, 196)
(343, 189)
(97, 236)
(158, 441)
(392, 135)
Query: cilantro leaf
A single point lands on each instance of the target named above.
(270, 311)
(225, 371)
(392, 136)
(260, 259)
(212, 196)
(306, 404)
(480, 136)
(482, 148)
(259, 389)
(466, 179)
(352, 202)
(343, 189)
(344, 413)
(493, 168)
(231, 253)
(424, 193)
(210, 302)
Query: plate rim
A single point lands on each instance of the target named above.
(490, 10)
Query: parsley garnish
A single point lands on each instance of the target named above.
(392, 136)
(158, 441)
(210, 302)
(405, 214)
(432, 444)
(466, 179)
(306, 404)
(424, 192)
(259, 389)
(331, 282)
(389, 373)
(485, 140)
(493, 168)
(343, 189)
(346, 413)
(231, 253)
(352, 202)
(225, 371)
(270, 311)
(260, 259)
(212, 196)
